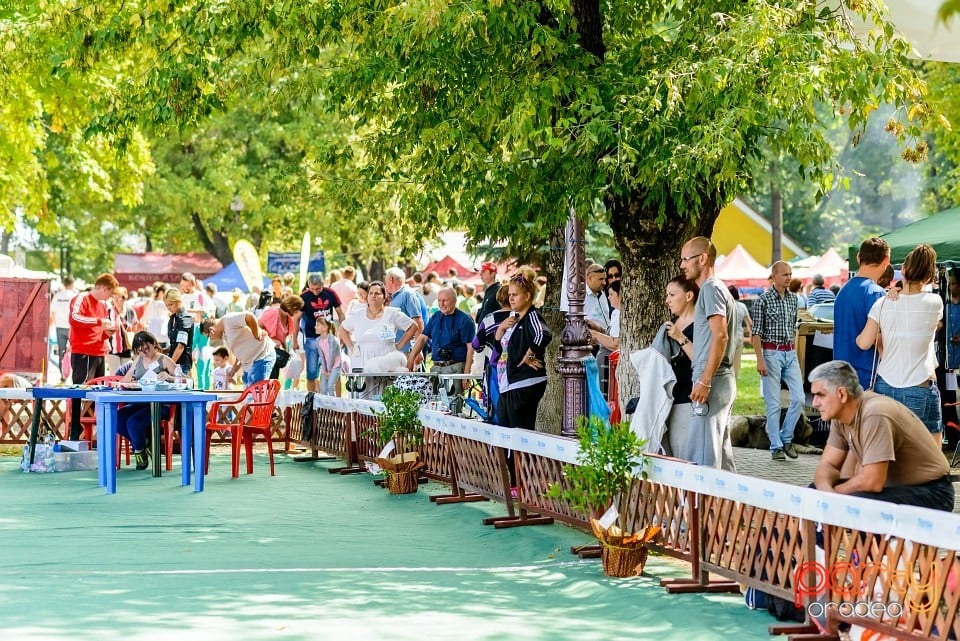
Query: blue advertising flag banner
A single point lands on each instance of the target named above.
(283, 262)
(317, 263)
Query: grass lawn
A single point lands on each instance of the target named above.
(749, 398)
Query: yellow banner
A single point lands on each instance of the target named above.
(248, 261)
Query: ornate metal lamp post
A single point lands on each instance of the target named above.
(575, 339)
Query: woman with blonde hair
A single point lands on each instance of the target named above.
(903, 328)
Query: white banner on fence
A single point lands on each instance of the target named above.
(555, 447)
(289, 397)
(916, 524)
(344, 405)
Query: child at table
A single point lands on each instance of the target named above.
(222, 370)
(330, 364)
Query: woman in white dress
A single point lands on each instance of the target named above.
(371, 333)
(360, 302)
(903, 327)
(155, 315)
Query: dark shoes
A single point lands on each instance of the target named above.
(777, 455)
(143, 459)
(790, 450)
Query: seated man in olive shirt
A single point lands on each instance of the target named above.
(896, 461)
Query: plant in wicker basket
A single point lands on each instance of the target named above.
(599, 486)
(400, 423)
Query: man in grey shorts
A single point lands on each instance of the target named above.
(714, 385)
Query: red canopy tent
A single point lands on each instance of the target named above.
(142, 270)
(741, 269)
(831, 266)
(445, 264)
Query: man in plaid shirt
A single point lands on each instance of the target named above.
(774, 331)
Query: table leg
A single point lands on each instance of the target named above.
(199, 440)
(35, 427)
(155, 437)
(110, 443)
(186, 443)
(102, 460)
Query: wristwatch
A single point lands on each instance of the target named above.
(685, 341)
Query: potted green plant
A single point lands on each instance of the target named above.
(399, 422)
(599, 487)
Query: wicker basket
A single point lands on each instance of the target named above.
(625, 559)
(403, 482)
(623, 554)
(403, 472)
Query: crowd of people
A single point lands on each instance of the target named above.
(884, 346)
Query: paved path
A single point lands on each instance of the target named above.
(757, 463)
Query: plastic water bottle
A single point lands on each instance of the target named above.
(178, 377)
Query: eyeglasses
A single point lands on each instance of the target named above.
(684, 259)
(519, 279)
(613, 274)
(146, 347)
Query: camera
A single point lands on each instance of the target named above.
(445, 354)
(514, 314)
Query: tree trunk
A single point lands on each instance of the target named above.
(550, 411)
(216, 242)
(590, 26)
(650, 254)
(376, 269)
(776, 218)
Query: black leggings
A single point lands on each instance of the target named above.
(83, 368)
(518, 408)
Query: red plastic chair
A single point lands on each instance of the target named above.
(169, 434)
(955, 427)
(88, 414)
(250, 414)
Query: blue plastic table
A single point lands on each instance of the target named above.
(41, 394)
(193, 412)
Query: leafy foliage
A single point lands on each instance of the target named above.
(943, 171)
(400, 420)
(605, 469)
(874, 192)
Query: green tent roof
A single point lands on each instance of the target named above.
(941, 231)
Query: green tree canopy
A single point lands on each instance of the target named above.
(500, 115)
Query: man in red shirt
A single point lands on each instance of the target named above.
(89, 330)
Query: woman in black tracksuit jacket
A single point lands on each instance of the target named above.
(522, 369)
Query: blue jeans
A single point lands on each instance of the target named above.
(922, 401)
(328, 382)
(781, 366)
(311, 357)
(259, 369)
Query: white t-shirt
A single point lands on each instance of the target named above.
(220, 377)
(907, 326)
(60, 305)
(614, 324)
(377, 337)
